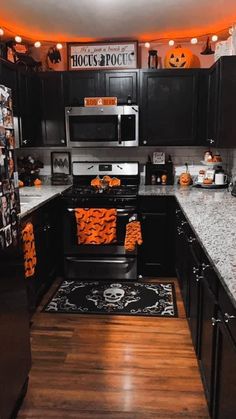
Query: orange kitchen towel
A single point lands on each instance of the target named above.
(96, 225)
(133, 235)
(30, 259)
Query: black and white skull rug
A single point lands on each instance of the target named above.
(127, 298)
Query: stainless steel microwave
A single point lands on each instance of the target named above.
(110, 126)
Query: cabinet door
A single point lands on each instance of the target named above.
(212, 105)
(120, 84)
(156, 255)
(52, 103)
(169, 104)
(80, 84)
(208, 308)
(29, 109)
(224, 406)
(8, 77)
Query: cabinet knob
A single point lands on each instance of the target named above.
(191, 239)
(227, 317)
(195, 270)
(140, 277)
(204, 266)
(145, 142)
(210, 140)
(25, 141)
(214, 321)
(198, 278)
(62, 141)
(177, 211)
(179, 231)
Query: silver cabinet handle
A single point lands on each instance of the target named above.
(25, 141)
(118, 262)
(198, 278)
(210, 140)
(214, 321)
(144, 142)
(183, 223)
(227, 317)
(62, 141)
(191, 239)
(204, 266)
(195, 270)
(179, 231)
(177, 211)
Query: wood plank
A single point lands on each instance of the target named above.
(113, 367)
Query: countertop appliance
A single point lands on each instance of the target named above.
(109, 261)
(15, 359)
(108, 126)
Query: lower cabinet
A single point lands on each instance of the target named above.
(156, 255)
(212, 321)
(47, 245)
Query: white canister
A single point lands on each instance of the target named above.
(220, 179)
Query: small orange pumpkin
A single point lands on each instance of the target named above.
(179, 57)
(185, 179)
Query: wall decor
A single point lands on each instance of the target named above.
(61, 162)
(107, 55)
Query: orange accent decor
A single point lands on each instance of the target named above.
(133, 235)
(96, 225)
(96, 182)
(30, 259)
(114, 182)
(100, 101)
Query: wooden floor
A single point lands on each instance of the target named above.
(113, 367)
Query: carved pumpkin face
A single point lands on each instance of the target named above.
(185, 179)
(178, 58)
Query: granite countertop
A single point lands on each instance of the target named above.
(32, 197)
(212, 215)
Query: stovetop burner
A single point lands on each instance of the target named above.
(86, 190)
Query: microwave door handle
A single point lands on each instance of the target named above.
(119, 128)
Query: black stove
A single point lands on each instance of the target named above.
(90, 191)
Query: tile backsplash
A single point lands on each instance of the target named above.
(179, 155)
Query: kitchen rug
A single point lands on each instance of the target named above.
(127, 298)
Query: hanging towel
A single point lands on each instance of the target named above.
(30, 259)
(133, 235)
(96, 225)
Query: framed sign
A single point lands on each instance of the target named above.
(107, 55)
(61, 162)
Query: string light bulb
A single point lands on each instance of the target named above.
(194, 41)
(59, 46)
(1, 32)
(171, 43)
(18, 39)
(37, 44)
(147, 45)
(214, 38)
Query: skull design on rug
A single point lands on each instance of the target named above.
(113, 296)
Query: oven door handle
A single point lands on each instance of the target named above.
(120, 262)
(123, 211)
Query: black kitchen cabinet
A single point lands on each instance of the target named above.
(169, 101)
(53, 109)
(30, 111)
(207, 312)
(47, 235)
(224, 402)
(8, 77)
(221, 125)
(120, 84)
(155, 257)
(80, 84)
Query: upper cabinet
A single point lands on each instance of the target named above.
(120, 84)
(221, 124)
(80, 84)
(53, 109)
(8, 77)
(168, 108)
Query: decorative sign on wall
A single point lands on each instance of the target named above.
(100, 101)
(95, 56)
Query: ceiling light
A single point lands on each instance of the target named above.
(1, 32)
(18, 39)
(37, 44)
(194, 41)
(147, 45)
(214, 38)
(171, 43)
(59, 46)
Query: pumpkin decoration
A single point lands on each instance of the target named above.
(185, 178)
(179, 57)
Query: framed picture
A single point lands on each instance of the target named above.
(61, 162)
(102, 55)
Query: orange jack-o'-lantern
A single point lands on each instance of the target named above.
(185, 179)
(179, 58)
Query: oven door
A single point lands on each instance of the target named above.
(103, 262)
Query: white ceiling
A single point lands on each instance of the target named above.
(78, 20)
